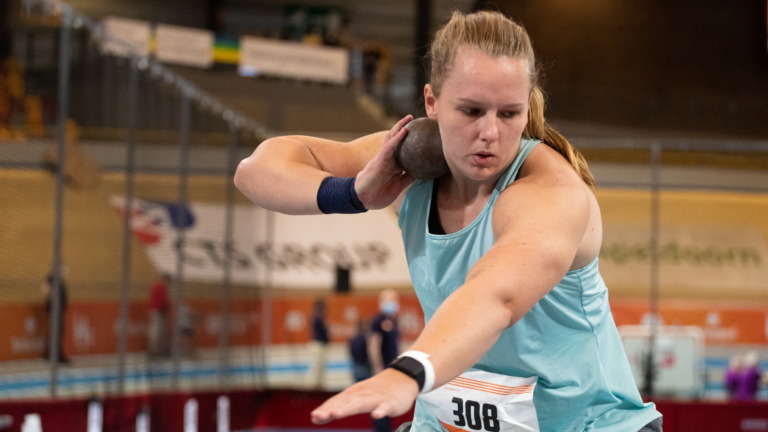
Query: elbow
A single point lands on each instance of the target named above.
(241, 176)
(247, 169)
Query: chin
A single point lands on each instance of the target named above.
(481, 174)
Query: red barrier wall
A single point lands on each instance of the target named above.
(285, 408)
(291, 408)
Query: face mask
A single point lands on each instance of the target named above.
(390, 307)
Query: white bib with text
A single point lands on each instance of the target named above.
(485, 401)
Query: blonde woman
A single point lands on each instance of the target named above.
(502, 251)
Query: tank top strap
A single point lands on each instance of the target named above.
(526, 145)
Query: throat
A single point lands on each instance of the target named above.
(434, 225)
(449, 216)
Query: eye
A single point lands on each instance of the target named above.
(509, 114)
(471, 112)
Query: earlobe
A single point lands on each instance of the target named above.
(429, 102)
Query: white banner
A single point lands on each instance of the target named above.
(184, 45)
(260, 56)
(121, 31)
(691, 258)
(291, 251)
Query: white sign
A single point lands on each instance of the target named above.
(678, 357)
(259, 56)
(142, 421)
(32, 423)
(222, 414)
(289, 251)
(184, 45)
(190, 416)
(95, 417)
(119, 33)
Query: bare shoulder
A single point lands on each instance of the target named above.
(547, 193)
(546, 166)
(550, 203)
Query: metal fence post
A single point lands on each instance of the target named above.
(55, 293)
(125, 288)
(181, 211)
(650, 365)
(226, 301)
(266, 299)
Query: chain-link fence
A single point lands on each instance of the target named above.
(117, 194)
(137, 152)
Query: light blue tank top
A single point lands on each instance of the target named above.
(568, 339)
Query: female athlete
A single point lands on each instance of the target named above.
(502, 250)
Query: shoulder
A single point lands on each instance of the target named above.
(544, 164)
(400, 203)
(547, 189)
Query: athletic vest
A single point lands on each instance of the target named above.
(568, 340)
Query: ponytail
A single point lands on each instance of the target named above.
(537, 128)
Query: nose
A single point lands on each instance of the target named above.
(489, 131)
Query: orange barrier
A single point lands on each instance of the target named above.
(723, 323)
(91, 327)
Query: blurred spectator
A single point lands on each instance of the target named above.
(384, 340)
(358, 351)
(320, 342)
(47, 289)
(186, 322)
(158, 315)
(750, 377)
(371, 56)
(742, 379)
(732, 375)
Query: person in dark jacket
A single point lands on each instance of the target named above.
(47, 288)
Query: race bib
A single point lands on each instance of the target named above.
(485, 401)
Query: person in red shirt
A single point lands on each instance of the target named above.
(158, 311)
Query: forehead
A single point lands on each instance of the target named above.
(388, 295)
(474, 75)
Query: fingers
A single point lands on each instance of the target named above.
(398, 126)
(388, 149)
(343, 405)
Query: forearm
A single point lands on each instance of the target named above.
(462, 330)
(282, 175)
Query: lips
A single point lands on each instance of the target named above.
(482, 158)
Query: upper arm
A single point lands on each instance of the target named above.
(538, 223)
(340, 159)
(284, 173)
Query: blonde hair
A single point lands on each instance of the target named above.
(496, 35)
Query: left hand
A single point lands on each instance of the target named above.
(387, 394)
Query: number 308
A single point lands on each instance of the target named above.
(468, 414)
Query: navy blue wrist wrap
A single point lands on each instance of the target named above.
(337, 195)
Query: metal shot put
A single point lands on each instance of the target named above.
(420, 153)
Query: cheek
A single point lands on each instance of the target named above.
(455, 137)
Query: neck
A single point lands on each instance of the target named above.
(466, 190)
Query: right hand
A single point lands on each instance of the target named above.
(381, 181)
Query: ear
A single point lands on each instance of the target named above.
(430, 102)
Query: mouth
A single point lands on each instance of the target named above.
(482, 158)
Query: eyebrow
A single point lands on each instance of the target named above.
(474, 102)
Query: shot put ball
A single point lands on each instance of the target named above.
(420, 153)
